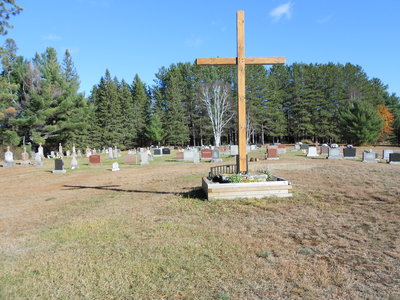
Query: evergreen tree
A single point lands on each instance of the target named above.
(154, 131)
(362, 123)
(140, 110)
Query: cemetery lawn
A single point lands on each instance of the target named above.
(146, 232)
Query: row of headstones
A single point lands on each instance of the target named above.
(95, 159)
(9, 158)
(351, 153)
(195, 155)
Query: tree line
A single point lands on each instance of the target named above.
(41, 103)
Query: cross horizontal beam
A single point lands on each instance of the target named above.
(248, 61)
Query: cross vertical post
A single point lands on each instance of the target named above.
(241, 61)
(242, 134)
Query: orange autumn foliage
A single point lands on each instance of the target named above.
(388, 119)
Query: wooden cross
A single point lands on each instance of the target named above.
(241, 61)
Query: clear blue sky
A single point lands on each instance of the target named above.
(129, 36)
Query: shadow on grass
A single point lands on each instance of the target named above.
(195, 193)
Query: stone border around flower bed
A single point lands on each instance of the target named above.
(278, 188)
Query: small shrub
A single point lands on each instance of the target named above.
(235, 178)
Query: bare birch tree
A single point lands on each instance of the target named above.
(216, 98)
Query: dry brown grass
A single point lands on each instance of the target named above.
(146, 233)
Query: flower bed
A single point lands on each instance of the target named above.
(247, 188)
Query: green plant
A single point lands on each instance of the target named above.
(235, 178)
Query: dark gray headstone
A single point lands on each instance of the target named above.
(350, 152)
(58, 166)
(166, 151)
(394, 158)
(156, 151)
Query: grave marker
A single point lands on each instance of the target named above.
(94, 159)
(130, 159)
(9, 158)
(115, 167)
(369, 157)
(59, 166)
(334, 153)
(386, 153)
(206, 154)
(394, 158)
(350, 153)
(216, 156)
(312, 151)
(272, 153)
(166, 151)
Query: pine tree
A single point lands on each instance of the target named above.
(362, 123)
(140, 114)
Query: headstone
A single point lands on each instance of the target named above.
(115, 167)
(281, 149)
(94, 159)
(74, 163)
(9, 158)
(272, 153)
(88, 152)
(312, 151)
(259, 146)
(40, 150)
(206, 154)
(394, 158)
(157, 152)
(369, 157)
(38, 159)
(324, 150)
(188, 155)
(334, 153)
(60, 150)
(234, 149)
(130, 159)
(144, 158)
(196, 157)
(68, 153)
(79, 154)
(110, 153)
(216, 156)
(166, 151)
(58, 166)
(25, 158)
(386, 153)
(350, 153)
(253, 147)
(73, 149)
(116, 154)
(296, 147)
(179, 156)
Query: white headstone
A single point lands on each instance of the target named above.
(115, 167)
(234, 150)
(144, 158)
(312, 152)
(110, 153)
(60, 150)
(40, 150)
(74, 163)
(38, 159)
(8, 156)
